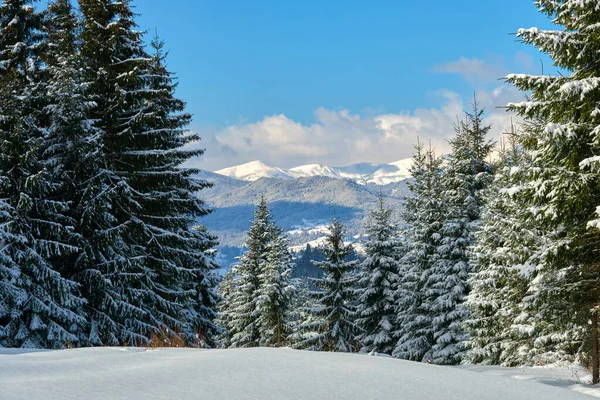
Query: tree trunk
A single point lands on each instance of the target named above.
(595, 364)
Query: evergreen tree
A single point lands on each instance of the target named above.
(377, 284)
(144, 269)
(243, 314)
(467, 174)
(38, 306)
(563, 185)
(110, 267)
(424, 213)
(177, 253)
(501, 271)
(330, 323)
(275, 292)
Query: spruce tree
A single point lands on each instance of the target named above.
(299, 308)
(501, 270)
(467, 174)
(144, 269)
(275, 292)
(226, 289)
(563, 185)
(377, 283)
(243, 311)
(110, 267)
(331, 317)
(38, 306)
(424, 213)
(177, 253)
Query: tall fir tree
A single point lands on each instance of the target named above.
(38, 306)
(144, 269)
(330, 322)
(243, 310)
(377, 283)
(275, 292)
(468, 172)
(299, 308)
(424, 213)
(110, 267)
(563, 185)
(176, 252)
(501, 269)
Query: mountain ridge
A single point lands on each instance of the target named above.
(303, 200)
(362, 173)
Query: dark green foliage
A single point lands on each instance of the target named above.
(38, 306)
(91, 185)
(330, 321)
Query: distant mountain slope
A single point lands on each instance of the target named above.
(301, 206)
(364, 173)
(303, 200)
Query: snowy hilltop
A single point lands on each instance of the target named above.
(363, 173)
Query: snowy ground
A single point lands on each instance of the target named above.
(569, 377)
(262, 374)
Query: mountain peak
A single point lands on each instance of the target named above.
(363, 173)
(253, 170)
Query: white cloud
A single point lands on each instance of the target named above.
(474, 69)
(338, 137)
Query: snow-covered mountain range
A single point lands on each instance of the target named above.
(363, 173)
(303, 200)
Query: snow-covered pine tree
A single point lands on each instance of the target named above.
(70, 137)
(109, 269)
(38, 306)
(540, 338)
(468, 172)
(330, 323)
(377, 283)
(242, 314)
(144, 268)
(504, 245)
(564, 180)
(275, 292)
(177, 253)
(115, 281)
(70, 140)
(424, 214)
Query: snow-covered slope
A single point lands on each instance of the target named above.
(314, 170)
(379, 174)
(294, 203)
(253, 171)
(260, 373)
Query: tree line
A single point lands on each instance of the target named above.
(499, 261)
(466, 278)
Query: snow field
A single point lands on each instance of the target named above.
(257, 373)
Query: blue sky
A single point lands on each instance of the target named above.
(252, 72)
